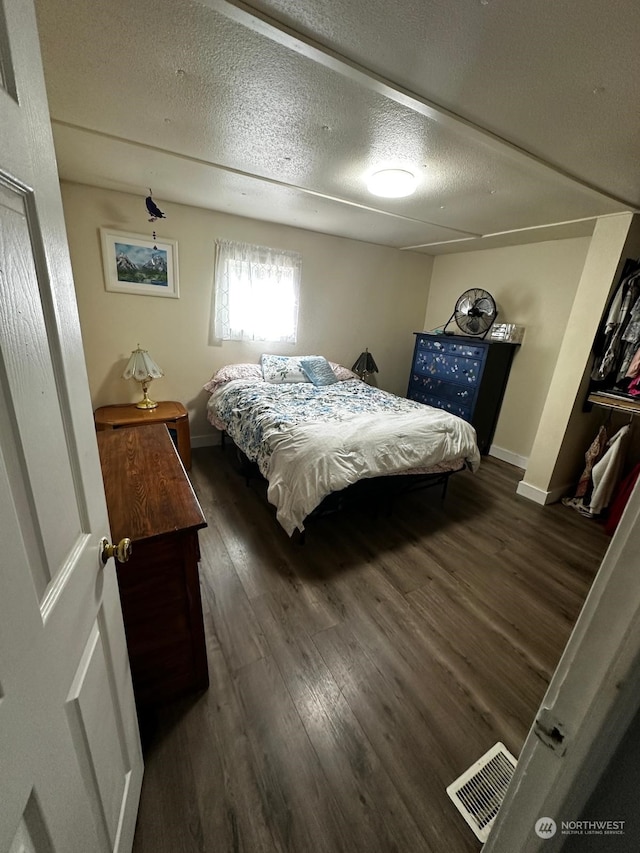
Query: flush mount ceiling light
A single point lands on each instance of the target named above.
(392, 183)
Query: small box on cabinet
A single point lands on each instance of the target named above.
(507, 332)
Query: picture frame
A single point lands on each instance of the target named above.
(133, 263)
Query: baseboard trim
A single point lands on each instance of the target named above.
(540, 496)
(509, 456)
(532, 493)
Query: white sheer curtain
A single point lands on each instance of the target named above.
(256, 293)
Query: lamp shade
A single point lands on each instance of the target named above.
(365, 365)
(142, 367)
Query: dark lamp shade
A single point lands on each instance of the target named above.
(365, 365)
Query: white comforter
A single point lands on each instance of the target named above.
(309, 442)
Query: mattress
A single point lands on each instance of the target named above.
(310, 441)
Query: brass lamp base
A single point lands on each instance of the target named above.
(146, 402)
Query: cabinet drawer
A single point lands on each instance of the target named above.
(453, 368)
(453, 406)
(453, 347)
(442, 388)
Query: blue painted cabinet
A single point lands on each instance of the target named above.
(465, 376)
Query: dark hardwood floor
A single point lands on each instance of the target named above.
(355, 676)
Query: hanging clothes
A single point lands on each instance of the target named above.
(622, 324)
(620, 500)
(584, 488)
(606, 472)
(630, 340)
(593, 454)
(634, 387)
(634, 367)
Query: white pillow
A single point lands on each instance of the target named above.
(282, 368)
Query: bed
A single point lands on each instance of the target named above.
(313, 428)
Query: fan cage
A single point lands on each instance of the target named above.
(472, 316)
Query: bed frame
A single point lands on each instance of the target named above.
(378, 493)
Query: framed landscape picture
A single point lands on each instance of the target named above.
(134, 264)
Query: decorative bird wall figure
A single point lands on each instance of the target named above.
(154, 210)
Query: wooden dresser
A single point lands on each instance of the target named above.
(466, 376)
(151, 501)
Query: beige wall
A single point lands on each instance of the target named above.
(534, 285)
(353, 295)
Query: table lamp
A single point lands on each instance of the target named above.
(143, 369)
(365, 365)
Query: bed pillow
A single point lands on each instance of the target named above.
(279, 369)
(342, 373)
(230, 372)
(318, 370)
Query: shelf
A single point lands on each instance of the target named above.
(613, 401)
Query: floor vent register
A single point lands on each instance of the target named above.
(479, 792)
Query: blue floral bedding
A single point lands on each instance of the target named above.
(252, 412)
(309, 441)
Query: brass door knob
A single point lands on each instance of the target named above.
(121, 551)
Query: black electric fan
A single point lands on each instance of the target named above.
(475, 312)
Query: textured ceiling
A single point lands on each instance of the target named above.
(514, 116)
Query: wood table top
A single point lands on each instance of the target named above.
(124, 413)
(148, 492)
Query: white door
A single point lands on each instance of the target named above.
(592, 698)
(70, 759)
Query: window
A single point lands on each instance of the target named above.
(256, 293)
